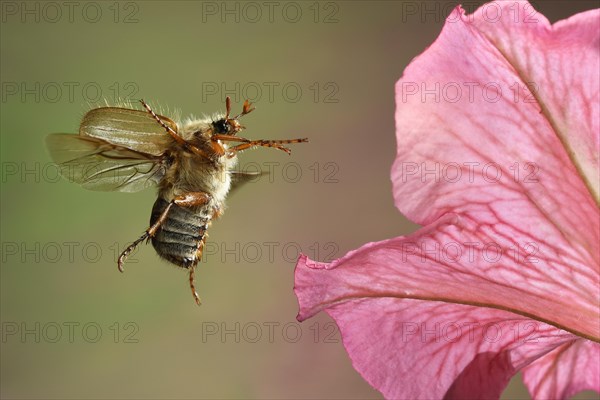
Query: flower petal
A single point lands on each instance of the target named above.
(437, 350)
(567, 370)
(563, 62)
(504, 187)
(467, 121)
(496, 157)
(440, 261)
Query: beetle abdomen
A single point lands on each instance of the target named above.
(180, 236)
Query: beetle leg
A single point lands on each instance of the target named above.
(174, 134)
(192, 199)
(150, 232)
(192, 287)
(264, 143)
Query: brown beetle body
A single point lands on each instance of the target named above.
(193, 166)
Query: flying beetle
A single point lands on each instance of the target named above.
(192, 164)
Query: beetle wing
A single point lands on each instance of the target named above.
(97, 164)
(239, 178)
(132, 129)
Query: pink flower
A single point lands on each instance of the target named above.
(498, 134)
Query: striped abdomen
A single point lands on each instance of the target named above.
(180, 237)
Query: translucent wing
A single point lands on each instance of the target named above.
(238, 178)
(97, 164)
(132, 129)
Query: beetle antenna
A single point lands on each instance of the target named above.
(245, 109)
(228, 107)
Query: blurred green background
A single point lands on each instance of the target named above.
(73, 327)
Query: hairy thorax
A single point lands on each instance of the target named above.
(187, 172)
